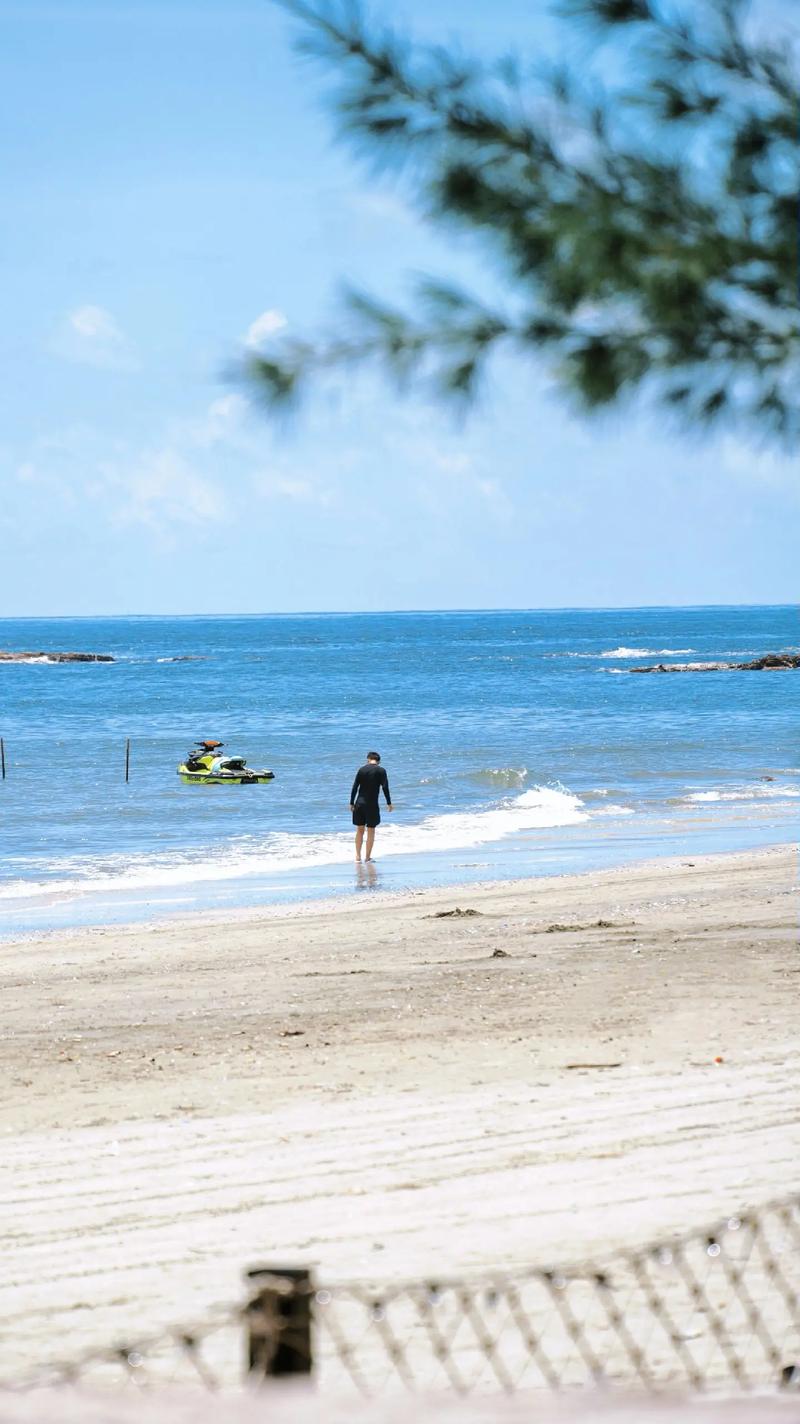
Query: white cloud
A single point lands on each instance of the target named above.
(263, 327)
(220, 422)
(95, 323)
(199, 474)
(447, 474)
(276, 485)
(384, 207)
(163, 489)
(498, 501)
(451, 462)
(766, 469)
(90, 335)
(435, 450)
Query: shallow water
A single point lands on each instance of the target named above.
(516, 743)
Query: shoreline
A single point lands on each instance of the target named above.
(351, 896)
(374, 1088)
(348, 902)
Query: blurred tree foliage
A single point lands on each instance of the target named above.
(646, 231)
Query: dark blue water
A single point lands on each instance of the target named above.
(516, 743)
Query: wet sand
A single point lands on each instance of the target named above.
(385, 1090)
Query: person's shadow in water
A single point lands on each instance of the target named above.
(366, 875)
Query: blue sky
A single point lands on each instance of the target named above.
(170, 179)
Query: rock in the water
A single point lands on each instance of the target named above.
(7, 657)
(683, 667)
(769, 660)
(772, 660)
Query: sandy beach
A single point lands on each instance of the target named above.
(384, 1087)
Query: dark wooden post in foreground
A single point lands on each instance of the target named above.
(279, 1342)
(3, 758)
(128, 759)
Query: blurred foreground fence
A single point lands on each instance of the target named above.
(718, 1310)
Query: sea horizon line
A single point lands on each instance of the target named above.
(392, 612)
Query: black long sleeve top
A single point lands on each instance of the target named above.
(370, 780)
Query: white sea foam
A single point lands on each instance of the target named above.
(623, 652)
(759, 791)
(538, 809)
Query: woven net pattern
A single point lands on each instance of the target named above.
(209, 1355)
(715, 1311)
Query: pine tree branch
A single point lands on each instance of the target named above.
(631, 270)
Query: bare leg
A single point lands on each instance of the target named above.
(370, 841)
(360, 841)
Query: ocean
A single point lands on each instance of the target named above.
(517, 743)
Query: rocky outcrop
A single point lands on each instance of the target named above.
(6, 657)
(770, 660)
(773, 660)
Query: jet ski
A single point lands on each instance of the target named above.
(206, 766)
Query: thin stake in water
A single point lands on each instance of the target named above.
(3, 758)
(128, 759)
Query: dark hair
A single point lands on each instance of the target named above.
(373, 756)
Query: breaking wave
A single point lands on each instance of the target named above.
(510, 776)
(624, 652)
(540, 808)
(758, 791)
(646, 652)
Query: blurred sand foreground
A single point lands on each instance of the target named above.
(291, 1408)
(374, 1088)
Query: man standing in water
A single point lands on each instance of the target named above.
(370, 780)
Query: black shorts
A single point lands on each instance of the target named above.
(364, 815)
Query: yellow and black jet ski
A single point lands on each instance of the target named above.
(206, 766)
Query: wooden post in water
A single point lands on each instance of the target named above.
(128, 760)
(3, 758)
(279, 1342)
